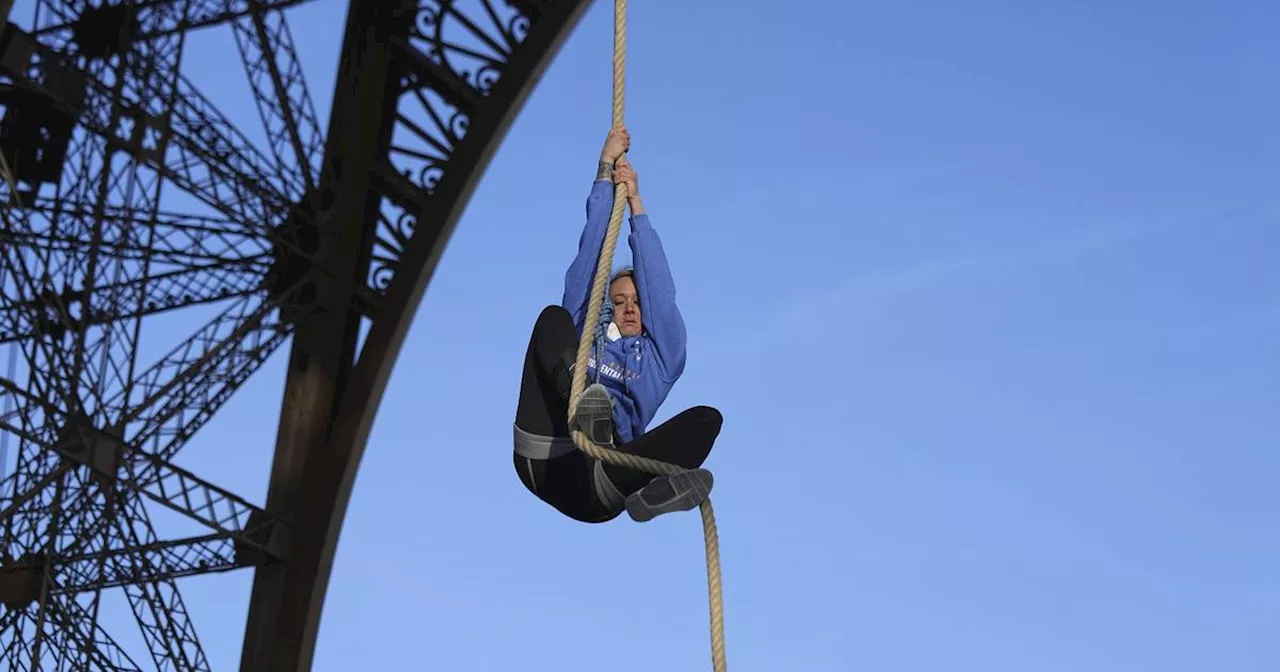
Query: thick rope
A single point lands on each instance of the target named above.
(603, 267)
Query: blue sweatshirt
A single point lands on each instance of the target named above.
(638, 371)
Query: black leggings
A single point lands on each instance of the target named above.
(565, 482)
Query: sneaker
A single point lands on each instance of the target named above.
(666, 494)
(595, 415)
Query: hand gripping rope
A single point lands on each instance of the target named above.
(585, 343)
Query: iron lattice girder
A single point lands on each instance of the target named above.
(214, 162)
(192, 260)
(154, 408)
(135, 298)
(200, 14)
(164, 483)
(182, 390)
(170, 238)
(157, 605)
(215, 366)
(148, 562)
(175, 396)
(197, 376)
(88, 637)
(284, 104)
(96, 648)
(111, 567)
(205, 140)
(102, 353)
(121, 521)
(207, 156)
(191, 103)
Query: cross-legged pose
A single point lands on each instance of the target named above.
(639, 354)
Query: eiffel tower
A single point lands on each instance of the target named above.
(319, 240)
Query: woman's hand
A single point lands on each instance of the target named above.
(625, 174)
(615, 145)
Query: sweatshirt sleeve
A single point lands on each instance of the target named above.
(581, 273)
(657, 292)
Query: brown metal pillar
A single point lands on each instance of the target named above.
(324, 345)
(329, 405)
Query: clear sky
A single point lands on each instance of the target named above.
(986, 293)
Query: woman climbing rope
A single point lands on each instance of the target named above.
(639, 354)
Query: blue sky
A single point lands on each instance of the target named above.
(988, 298)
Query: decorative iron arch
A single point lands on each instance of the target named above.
(318, 236)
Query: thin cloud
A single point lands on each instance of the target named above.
(896, 282)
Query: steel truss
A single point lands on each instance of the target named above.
(311, 238)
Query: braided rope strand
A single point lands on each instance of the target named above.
(594, 305)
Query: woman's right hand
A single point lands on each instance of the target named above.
(615, 145)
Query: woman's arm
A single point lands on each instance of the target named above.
(582, 272)
(657, 289)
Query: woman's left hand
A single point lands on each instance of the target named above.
(625, 174)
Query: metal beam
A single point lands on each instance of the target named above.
(324, 344)
(323, 435)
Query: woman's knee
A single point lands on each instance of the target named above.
(708, 416)
(553, 337)
(554, 319)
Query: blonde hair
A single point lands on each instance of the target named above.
(627, 272)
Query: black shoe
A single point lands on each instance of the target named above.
(666, 494)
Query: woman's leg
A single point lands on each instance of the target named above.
(545, 458)
(685, 440)
(543, 408)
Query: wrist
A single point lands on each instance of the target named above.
(604, 170)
